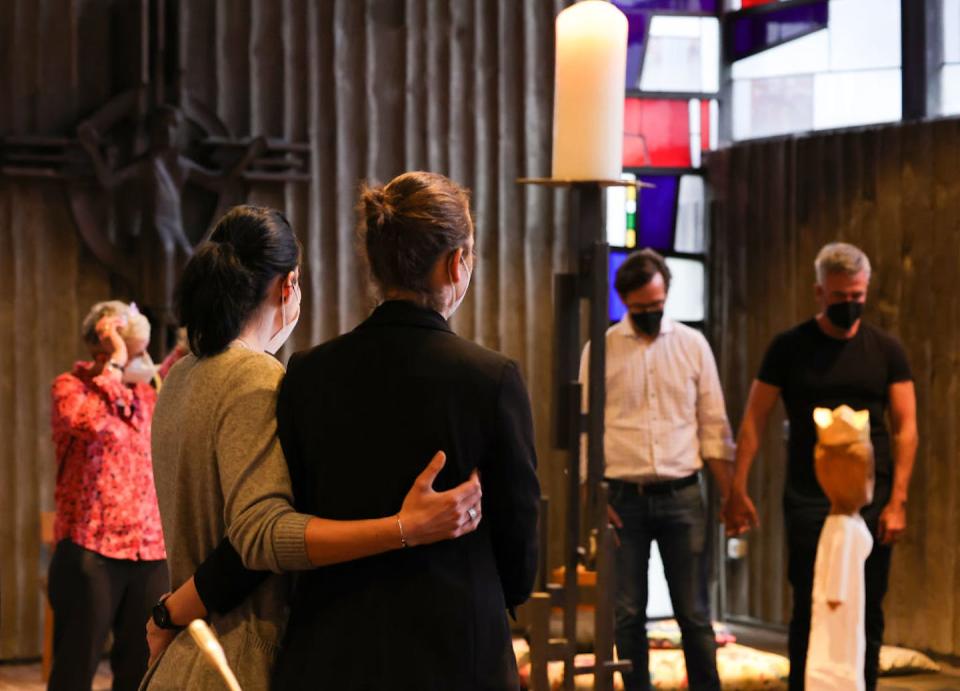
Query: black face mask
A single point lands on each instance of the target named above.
(647, 322)
(843, 315)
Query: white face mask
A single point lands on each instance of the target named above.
(139, 370)
(278, 339)
(457, 300)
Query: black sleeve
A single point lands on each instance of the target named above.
(898, 368)
(222, 580)
(776, 362)
(511, 491)
(286, 425)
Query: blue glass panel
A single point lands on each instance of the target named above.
(657, 212)
(754, 32)
(636, 38)
(671, 5)
(616, 308)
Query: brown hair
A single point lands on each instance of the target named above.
(639, 269)
(409, 223)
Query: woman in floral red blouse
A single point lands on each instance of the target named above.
(108, 567)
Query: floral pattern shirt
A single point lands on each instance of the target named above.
(105, 496)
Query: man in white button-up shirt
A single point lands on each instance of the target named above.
(665, 418)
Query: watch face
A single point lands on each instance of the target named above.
(161, 617)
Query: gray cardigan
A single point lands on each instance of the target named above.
(219, 470)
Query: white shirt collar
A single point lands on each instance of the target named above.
(625, 327)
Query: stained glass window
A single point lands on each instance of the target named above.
(755, 32)
(673, 50)
(622, 214)
(682, 55)
(685, 301)
(655, 220)
(667, 132)
(689, 235)
(845, 74)
(671, 217)
(950, 71)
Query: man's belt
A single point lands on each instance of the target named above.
(664, 487)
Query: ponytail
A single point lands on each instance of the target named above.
(227, 279)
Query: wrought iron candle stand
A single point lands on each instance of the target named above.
(586, 278)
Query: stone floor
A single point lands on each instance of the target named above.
(26, 677)
(776, 642)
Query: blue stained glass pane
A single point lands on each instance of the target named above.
(636, 37)
(754, 32)
(657, 212)
(671, 5)
(616, 308)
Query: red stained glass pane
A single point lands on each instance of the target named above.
(704, 125)
(656, 133)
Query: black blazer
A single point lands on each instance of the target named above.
(359, 417)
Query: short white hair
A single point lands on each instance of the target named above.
(137, 326)
(840, 258)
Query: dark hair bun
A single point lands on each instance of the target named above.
(377, 210)
(227, 278)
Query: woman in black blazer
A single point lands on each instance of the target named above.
(357, 415)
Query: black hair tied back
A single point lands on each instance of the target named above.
(228, 277)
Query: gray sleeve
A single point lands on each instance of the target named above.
(258, 500)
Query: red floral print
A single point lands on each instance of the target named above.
(105, 496)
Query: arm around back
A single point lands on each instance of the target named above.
(511, 491)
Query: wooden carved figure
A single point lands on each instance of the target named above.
(843, 461)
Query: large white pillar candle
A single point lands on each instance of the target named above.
(589, 88)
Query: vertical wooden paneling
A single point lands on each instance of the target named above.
(353, 142)
(233, 64)
(198, 49)
(894, 191)
(384, 80)
(321, 250)
(267, 78)
(415, 106)
(485, 295)
(510, 221)
(295, 34)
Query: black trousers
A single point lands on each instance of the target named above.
(91, 595)
(803, 534)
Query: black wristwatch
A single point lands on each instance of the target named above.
(161, 615)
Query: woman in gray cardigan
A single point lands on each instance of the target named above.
(219, 469)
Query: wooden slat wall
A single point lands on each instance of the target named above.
(895, 192)
(462, 87)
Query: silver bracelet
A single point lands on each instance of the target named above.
(403, 537)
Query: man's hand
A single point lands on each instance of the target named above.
(615, 521)
(739, 513)
(893, 522)
(614, 517)
(430, 516)
(158, 639)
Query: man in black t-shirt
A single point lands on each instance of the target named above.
(827, 361)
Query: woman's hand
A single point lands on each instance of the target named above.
(158, 639)
(430, 516)
(108, 331)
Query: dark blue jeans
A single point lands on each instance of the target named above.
(677, 521)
